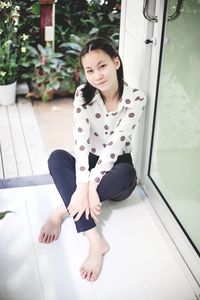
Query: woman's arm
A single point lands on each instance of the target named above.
(81, 132)
(94, 200)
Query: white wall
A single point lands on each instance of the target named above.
(135, 54)
(133, 33)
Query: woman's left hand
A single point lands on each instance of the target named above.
(94, 201)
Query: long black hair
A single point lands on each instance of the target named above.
(104, 44)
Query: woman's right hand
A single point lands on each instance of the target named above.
(79, 202)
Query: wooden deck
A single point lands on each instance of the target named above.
(22, 150)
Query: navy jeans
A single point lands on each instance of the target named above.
(116, 185)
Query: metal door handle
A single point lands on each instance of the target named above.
(150, 18)
(177, 12)
(146, 12)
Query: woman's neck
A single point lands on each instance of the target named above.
(111, 100)
(111, 96)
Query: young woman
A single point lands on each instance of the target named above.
(106, 113)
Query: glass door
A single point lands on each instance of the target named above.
(174, 165)
(175, 159)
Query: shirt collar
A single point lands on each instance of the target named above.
(97, 96)
(126, 99)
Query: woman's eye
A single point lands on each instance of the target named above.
(89, 71)
(102, 66)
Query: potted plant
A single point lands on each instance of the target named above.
(49, 71)
(13, 47)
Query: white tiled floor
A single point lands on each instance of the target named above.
(139, 266)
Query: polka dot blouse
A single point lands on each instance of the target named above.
(106, 134)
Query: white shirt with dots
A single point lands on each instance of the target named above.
(103, 133)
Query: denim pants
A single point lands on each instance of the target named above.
(116, 185)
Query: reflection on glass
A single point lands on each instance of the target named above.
(175, 163)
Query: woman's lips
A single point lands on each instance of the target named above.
(101, 83)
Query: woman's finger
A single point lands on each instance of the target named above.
(96, 210)
(78, 216)
(73, 213)
(87, 212)
(94, 216)
(70, 208)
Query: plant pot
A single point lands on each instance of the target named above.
(8, 94)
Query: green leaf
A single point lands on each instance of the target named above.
(40, 79)
(46, 69)
(3, 214)
(36, 62)
(33, 51)
(26, 64)
(49, 86)
(55, 85)
(74, 38)
(36, 9)
(73, 52)
(70, 70)
(41, 49)
(94, 30)
(58, 54)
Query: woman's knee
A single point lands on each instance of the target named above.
(121, 178)
(126, 172)
(58, 158)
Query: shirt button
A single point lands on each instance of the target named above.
(106, 115)
(106, 132)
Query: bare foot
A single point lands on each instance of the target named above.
(51, 229)
(92, 266)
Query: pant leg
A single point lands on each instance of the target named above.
(62, 169)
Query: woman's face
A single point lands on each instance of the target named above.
(101, 70)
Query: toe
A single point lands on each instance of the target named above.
(45, 239)
(94, 276)
(41, 237)
(89, 274)
(52, 238)
(84, 274)
(82, 269)
(49, 239)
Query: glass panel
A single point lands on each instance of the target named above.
(175, 161)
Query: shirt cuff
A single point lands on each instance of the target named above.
(96, 175)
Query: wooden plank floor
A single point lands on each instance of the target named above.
(22, 149)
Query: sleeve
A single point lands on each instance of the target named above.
(81, 132)
(117, 140)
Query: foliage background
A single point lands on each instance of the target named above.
(76, 21)
(79, 21)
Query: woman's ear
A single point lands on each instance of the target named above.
(117, 62)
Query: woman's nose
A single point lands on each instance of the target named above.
(97, 75)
